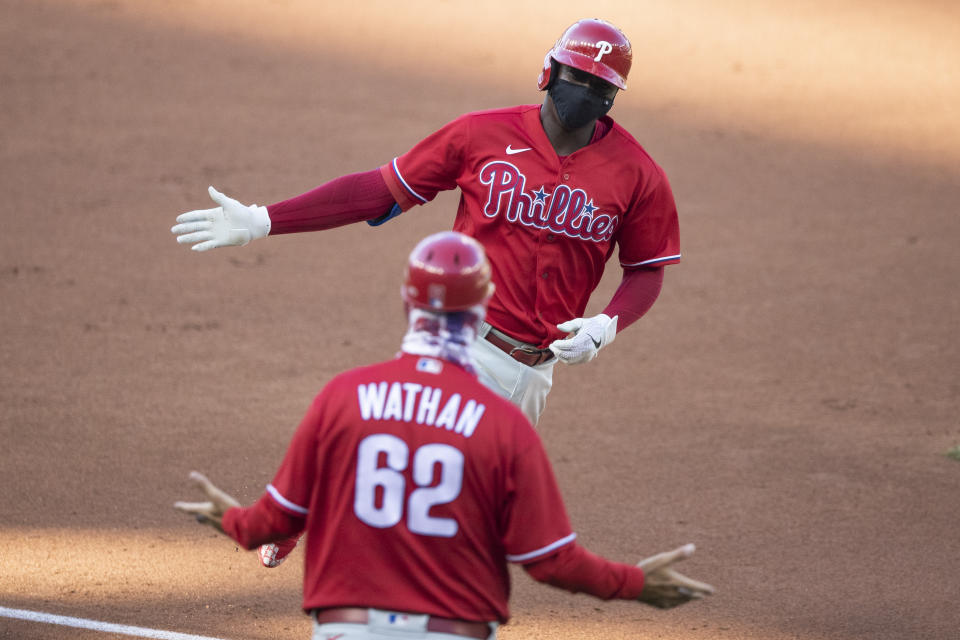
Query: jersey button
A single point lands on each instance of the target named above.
(566, 176)
(551, 238)
(545, 274)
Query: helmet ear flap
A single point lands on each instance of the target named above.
(554, 72)
(548, 76)
(546, 73)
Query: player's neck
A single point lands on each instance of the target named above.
(564, 141)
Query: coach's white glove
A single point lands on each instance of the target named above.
(589, 336)
(230, 225)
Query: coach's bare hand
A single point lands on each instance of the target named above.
(231, 224)
(210, 512)
(666, 588)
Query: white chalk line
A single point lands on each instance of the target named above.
(96, 625)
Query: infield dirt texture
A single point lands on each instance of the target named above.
(787, 405)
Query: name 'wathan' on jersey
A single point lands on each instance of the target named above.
(410, 401)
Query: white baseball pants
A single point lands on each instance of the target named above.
(526, 387)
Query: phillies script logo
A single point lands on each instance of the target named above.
(567, 211)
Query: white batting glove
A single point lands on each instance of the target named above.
(589, 336)
(230, 225)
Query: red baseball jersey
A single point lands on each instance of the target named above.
(417, 485)
(548, 223)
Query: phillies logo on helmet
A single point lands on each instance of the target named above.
(604, 48)
(567, 211)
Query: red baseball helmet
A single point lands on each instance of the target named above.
(447, 271)
(594, 46)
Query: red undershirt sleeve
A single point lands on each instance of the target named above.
(261, 523)
(345, 200)
(575, 569)
(636, 294)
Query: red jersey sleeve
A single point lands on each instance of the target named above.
(433, 165)
(535, 518)
(294, 483)
(345, 200)
(636, 294)
(650, 233)
(575, 569)
(261, 523)
(537, 532)
(283, 509)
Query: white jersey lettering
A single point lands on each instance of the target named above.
(371, 398)
(412, 402)
(412, 389)
(393, 410)
(429, 403)
(448, 417)
(469, 418)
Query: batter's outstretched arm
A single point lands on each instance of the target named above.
(345, 200)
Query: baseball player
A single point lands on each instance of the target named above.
(417, 484)
(549, 190)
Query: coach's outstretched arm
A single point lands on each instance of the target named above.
(652, 581)
(251, 527)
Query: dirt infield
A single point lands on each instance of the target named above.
(786, 405)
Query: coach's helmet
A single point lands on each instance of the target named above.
(594, 46)
(447, 271)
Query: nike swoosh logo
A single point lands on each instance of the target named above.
(596, 343)
(511, 151)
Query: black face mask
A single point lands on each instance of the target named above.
(576, 104)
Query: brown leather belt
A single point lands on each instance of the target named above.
(479, 630)
(519, 351)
